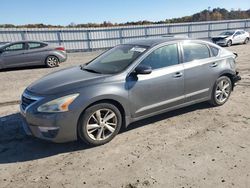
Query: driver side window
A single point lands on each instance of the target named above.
(15, 47)
(162, 57)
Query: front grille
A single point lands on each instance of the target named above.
(26, 102)
(217, 39)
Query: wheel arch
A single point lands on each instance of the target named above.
(116, 103)
(229, 74)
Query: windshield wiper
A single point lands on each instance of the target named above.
(89, 70)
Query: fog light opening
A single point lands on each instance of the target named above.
(47, 129)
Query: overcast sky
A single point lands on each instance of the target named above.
(63, 12)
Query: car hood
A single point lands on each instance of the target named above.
(65, 80)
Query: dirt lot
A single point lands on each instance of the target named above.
(198, 146)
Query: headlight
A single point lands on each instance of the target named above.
(58, 105)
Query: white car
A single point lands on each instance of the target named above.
(228, 38)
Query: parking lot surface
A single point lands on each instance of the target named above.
(197, 146)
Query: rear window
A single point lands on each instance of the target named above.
(194, 51)
(34, 45)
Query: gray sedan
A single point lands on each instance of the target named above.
(29, 53)
(130, 82)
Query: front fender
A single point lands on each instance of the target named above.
(106, 91)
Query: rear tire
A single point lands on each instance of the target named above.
(221, 91)
(52, 61)
(99, 124)
(246, 40)
(229, 43)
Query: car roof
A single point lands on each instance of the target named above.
(153, 42)
(26, 41)
(235, 30)
(21, 41)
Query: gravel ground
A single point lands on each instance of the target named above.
(197, 146)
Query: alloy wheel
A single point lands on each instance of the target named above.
(52, 61)
(229, 43)
(246, 41)
(223, 89)
(101, 124)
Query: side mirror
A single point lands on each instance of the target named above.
(143, 69)
(1, 51)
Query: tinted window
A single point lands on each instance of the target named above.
(193, 51)
(214, 50)
(15, 47)
(237, 33)
(162, 57)
(33, 45)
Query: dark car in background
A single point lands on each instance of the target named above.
(30, 53)
(127, 83)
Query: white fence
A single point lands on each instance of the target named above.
(87, 39)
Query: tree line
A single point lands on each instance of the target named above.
(205, 15)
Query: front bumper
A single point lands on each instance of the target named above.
(56, 127)
(222, 42)
(63, 57)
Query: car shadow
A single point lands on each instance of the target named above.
(22, 68)
(160, 117)
(15, 146)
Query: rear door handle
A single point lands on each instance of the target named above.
(177, 75)
(214, 64)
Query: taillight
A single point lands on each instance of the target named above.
(60, 48)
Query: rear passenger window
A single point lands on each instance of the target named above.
(34, 45)
(162, 57)
(214, 50)
(193, 51)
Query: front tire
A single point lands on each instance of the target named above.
(52, 61)
(99, 124)
(229, 43)
(221, 91)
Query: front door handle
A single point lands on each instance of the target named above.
(214, 64)
(177, 75)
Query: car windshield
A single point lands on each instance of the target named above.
(3, 45)
(116, 59)
(227, 33)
